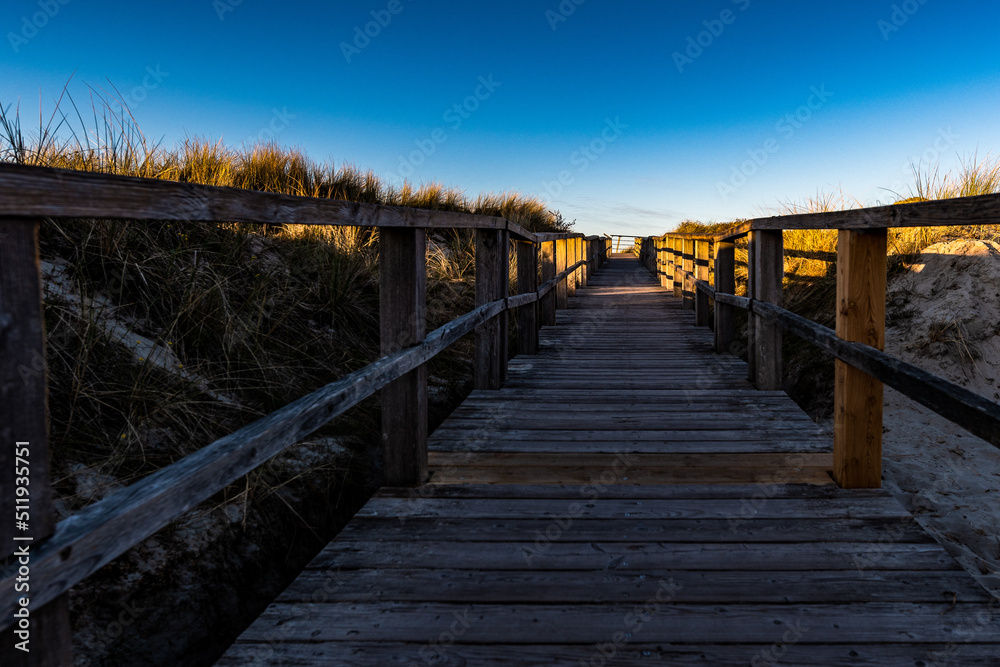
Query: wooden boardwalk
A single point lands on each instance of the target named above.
(628, 499)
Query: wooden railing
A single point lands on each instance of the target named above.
(683, 261)
(63, 554)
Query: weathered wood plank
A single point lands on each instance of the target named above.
(769, 270)
(861, 285)
(547, 305)
(403, 321)
(917, 623)
(24, 448)
(574, 587)
(527, 282)
(491, 284)
(398, 654)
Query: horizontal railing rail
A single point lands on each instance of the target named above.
(63, 554)
(683, 263)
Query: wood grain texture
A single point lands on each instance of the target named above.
(547, 304)
(527, 283)
(24, 420)
(403, 324)
(491, 284)
(769, 274)
(725, 282)
(562, 262)
(861, 285)
(702, 252)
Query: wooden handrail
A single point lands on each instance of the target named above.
(61, 193)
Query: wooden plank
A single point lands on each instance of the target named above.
(100, 532)
(960, 211)
(527, 282)
(575, 587)
(573, 492)
(702, 251)
(754, 531)
(725, 282)
(633, 556)
(635, 652)
(861, 285)
(769, 273)
(570, 474)
(677, 248)
(915, 623)
(491, 284)
(591, 506)
(24, 450)
(58, 193)
(562, 262)
(688, 268)
(547, 305)
(403, 322)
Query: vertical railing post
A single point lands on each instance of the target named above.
(669, 270)
(403, 324)
(571, 281)
(701, 300)
(527, 282)
(677, 247)
(688, 245)
(751, 318)
(547, 306)
(24, 433)
(562, 289)
(725, 283)
(585, 258)
(492, 283)
(768, 278)
(861, 284)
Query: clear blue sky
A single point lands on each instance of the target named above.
(889, 82)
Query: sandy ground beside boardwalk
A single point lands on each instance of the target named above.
(944, 317)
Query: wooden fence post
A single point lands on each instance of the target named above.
(770, 273)
(581, 272)
(570, 261)
(562, 289)
(403, 323)
(861, 285)
(492, 283)
(725, 282)
(688, 246)
(24, 419)
(701, 300)
(547, 305)
(527, 282)
(585, 258)
(751, 318)
(669, 269)
(676, 248)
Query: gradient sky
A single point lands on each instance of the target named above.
(649, 113)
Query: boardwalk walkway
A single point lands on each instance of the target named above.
(628, 499)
